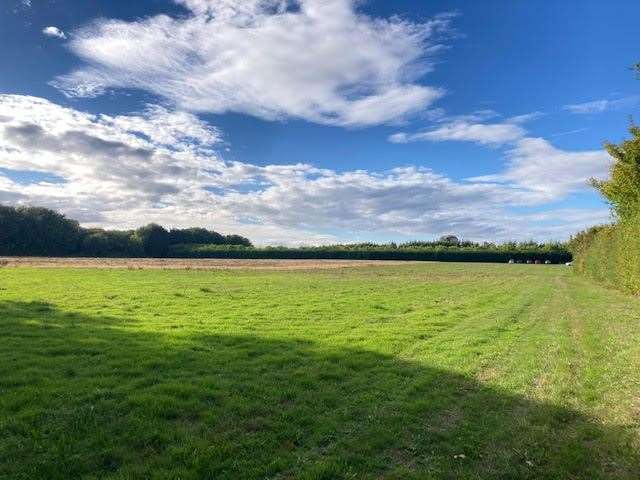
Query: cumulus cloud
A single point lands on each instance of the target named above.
(602, 105)
(160, 165)
(318, 60)
(536, 165)
(53, 32)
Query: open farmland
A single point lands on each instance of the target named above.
(443, 371)
(187, 264)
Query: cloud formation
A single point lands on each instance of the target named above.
(548, 172)
(318, 60)
(473, 127)
(53, 31)
(160, 165)
(603, 105)
(481, 133)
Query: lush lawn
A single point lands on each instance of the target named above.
(417, 371)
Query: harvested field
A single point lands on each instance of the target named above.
(188, 264)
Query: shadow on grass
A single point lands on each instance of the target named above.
(92, 397)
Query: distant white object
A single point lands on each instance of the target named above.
(54, 32)
(547, 262)
(512, 261)
(568, 264)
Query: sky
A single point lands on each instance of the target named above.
(317, 121)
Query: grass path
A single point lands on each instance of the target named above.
(443, 371)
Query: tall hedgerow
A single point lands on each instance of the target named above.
(611, 254)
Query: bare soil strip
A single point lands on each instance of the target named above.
(188, 264)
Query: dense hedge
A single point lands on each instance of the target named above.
(555, 253)
(611, 254)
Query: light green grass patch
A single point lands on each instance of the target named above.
(418, 371)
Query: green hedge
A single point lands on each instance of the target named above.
(440, 254)
(611, 254)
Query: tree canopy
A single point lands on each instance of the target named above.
(622, 189)
(40, 231)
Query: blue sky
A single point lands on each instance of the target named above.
(317, 121)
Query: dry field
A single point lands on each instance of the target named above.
(189, 264)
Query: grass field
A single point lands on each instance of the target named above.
(444, 371)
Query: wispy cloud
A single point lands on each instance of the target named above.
(570, 132)
(527, 117)
(482, 133)
(602, 105)
(54, 32)
(474, 127)
(324, 62)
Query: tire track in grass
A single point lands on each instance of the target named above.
(474, 341)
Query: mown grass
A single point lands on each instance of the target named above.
(444, 371)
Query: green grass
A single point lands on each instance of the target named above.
(444, 371)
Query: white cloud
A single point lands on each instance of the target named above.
(318, 60)
(544, 170)
(472, 127)
(603, 105)
(53, 32)
(527, 117)
(168, 128)
(482, 133)
(161, 166)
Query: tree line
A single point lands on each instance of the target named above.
(43, 232)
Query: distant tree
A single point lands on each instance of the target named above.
(237, 240)
(40, 231)
(622, 189)
(111, 243)
(195, 236)
(10, 231)
(154, 239)
(449, 240)
(37, 231)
